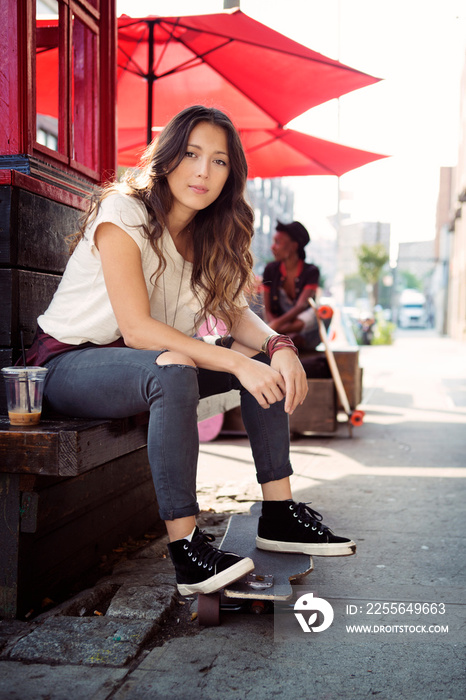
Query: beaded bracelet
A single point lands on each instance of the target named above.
(279, 342)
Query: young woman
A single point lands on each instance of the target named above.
(157, 255)
(287, 285)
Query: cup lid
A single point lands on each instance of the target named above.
(21, 370)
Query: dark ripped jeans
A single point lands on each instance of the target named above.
(121, 382)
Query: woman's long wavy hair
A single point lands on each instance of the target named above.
(221, 233)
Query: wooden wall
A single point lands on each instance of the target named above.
(33, 255)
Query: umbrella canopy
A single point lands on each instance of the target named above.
(228, 60)
(260, 77)
(281, 152)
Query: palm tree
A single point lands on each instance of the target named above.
(371, 260)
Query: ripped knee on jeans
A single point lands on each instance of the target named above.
(170, 357)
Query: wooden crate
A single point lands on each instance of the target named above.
(318, 412)
(316, 415)
(347, 360)
(351, 374)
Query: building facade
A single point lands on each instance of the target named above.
(271, 199)
(456, 324)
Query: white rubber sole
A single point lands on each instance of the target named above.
(218, 581)
(344, 549)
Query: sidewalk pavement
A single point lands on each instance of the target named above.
(397, 487)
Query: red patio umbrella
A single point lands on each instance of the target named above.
(260, 77)
(281, 152)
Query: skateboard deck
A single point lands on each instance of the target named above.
(273, 572)
(272, 576)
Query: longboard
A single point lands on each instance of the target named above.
(270, 581)
(355, 418)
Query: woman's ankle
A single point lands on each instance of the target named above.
(180, 527)
(279, 490)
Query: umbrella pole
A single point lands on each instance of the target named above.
(150, 82)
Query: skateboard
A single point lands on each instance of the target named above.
(355, 417)
(270, 581)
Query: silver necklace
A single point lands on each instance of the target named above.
(177, 298)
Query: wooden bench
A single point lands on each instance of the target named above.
(70, 490)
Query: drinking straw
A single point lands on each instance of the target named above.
(28, 398)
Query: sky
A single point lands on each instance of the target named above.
(412, 115)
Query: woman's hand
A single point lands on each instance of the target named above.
(286, 362)
(251, 332)
(267, 385)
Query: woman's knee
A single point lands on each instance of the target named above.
(175, 358)
(177, 374)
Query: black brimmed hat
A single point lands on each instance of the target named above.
(295, 231)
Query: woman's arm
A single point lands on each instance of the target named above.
(124, 279)
(252, 331)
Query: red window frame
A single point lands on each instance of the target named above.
(71, 13)
(87, 136)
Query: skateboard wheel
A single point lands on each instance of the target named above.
(356, 418)
(258, 607)
(208, 609)
(325, 312)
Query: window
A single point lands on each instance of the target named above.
(66, 105)
(47, 73)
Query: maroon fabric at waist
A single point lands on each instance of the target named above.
(44, 348)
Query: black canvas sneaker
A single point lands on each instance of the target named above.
(286, 526)
(201, 568)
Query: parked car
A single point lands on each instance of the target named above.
(412, 311)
